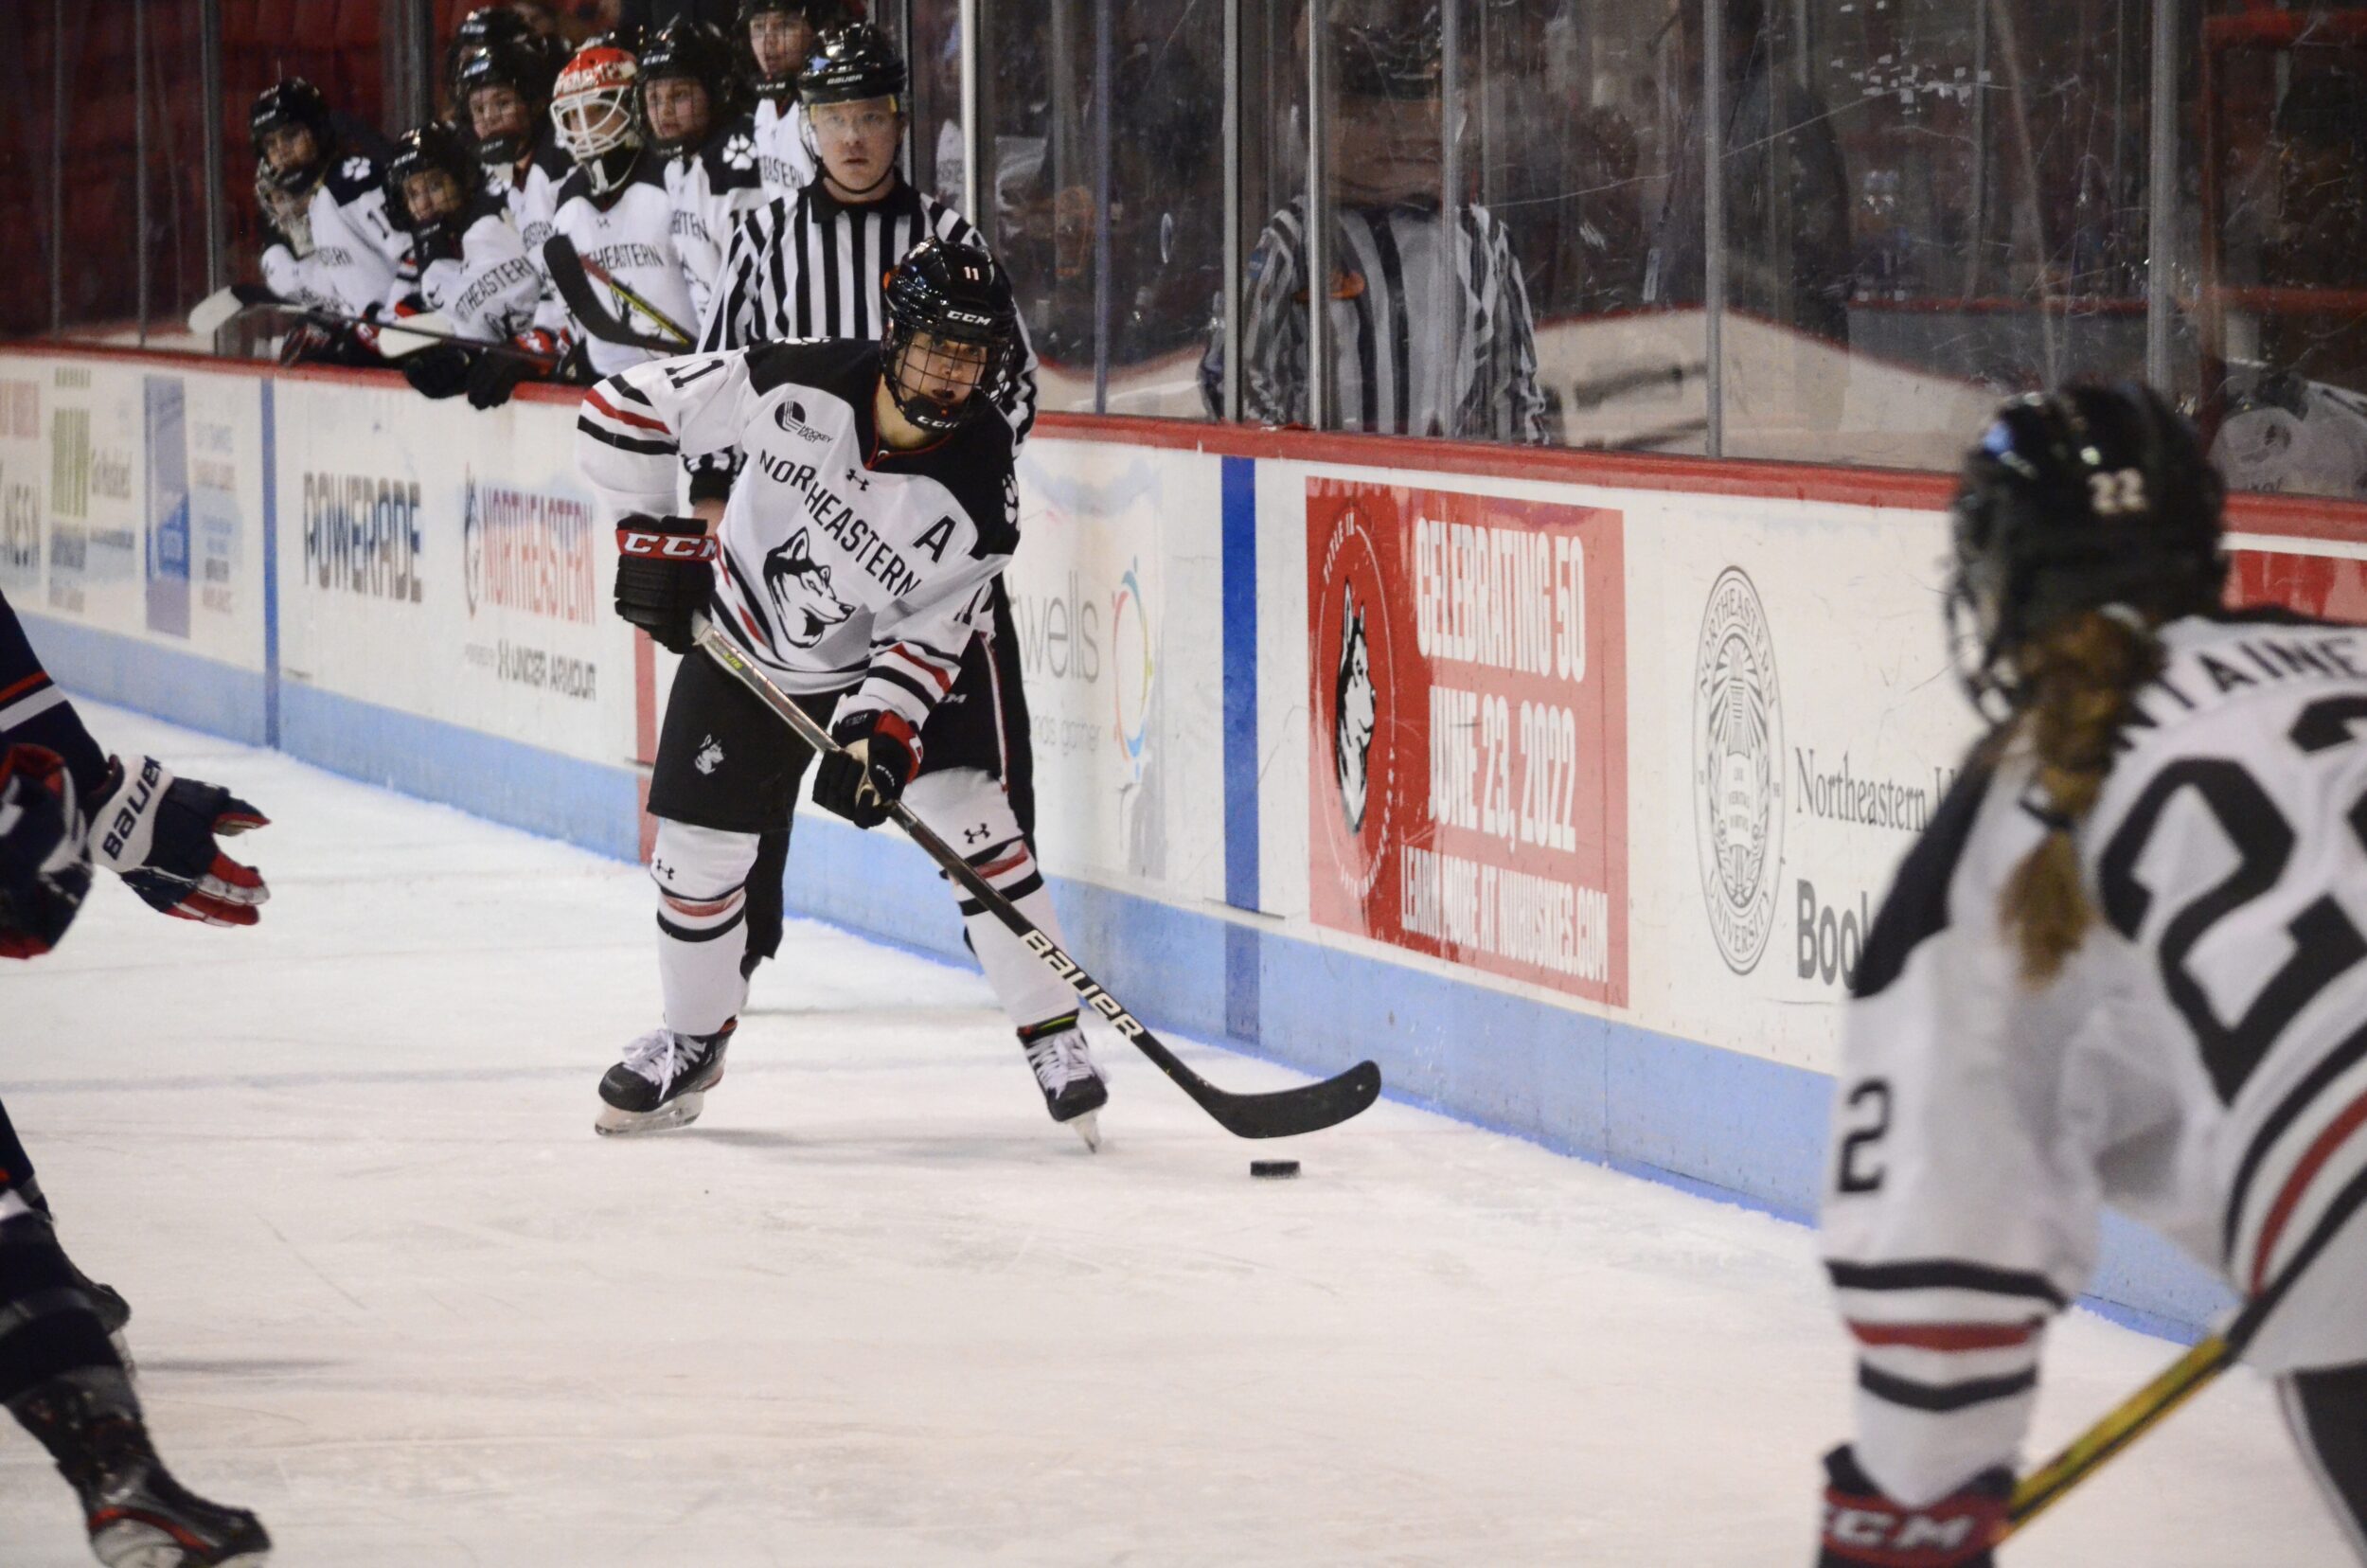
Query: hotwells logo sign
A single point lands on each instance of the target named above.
(528, 551)
(362, 535)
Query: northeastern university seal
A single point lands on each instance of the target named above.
(1738, 769)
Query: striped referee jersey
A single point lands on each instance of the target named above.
(1430, 331)
(808, 265)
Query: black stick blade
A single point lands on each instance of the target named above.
(591, 312)
(1288, 1113)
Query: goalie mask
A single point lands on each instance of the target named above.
(2077, 499)
(952, 344)
(592, 107)
(295, 103)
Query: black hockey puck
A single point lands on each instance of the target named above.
(1277, 1169)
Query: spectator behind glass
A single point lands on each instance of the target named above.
(1430, 327)
(1786, 199)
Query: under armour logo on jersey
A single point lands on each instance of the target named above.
(740, 151)
(857, 480)
(975, 835)
(710, 756)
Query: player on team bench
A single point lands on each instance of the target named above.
(854, 564)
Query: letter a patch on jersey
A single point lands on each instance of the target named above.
(935, 538)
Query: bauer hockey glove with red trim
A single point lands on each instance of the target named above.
(1865, 1529)
(665, 573)
(161, 835)
(878, 755)
(45, 851)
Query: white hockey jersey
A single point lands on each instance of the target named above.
(490, 290)
(2199, 1063)
(631, 236)
(845, 565)
(709, 190)
(784, 163)
(2295, 435)
(355, 245)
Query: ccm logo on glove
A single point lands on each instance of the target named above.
(665, 546)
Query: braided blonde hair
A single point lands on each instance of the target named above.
(2082, 676)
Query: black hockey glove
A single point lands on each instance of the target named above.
(878, 755)
(159, 833)
(664, 575)
(494, 377)
(1865, 1529)
(438, 372)
(45, 851)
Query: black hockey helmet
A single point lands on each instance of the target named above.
(952, 293)
(525, 68)
(298, 102)
(2075, 500)
(821, 15)
(432, 147)
(1406, 64)
(687, 50)
(478, 32)
(853, 63)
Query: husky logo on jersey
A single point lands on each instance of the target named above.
(801, 592)
(740, 151)
(1356, 711)
(710, 756)
(1738, 769)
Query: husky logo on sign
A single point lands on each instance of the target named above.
(1356, 711)
(1738, 769)
(801, 592)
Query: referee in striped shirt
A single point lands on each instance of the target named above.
(811, 265)
(1429, 326)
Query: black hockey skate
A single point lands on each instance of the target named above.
(662, 1080)
(137, 1514)
(1065, 1071)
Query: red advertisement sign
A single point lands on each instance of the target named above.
(1468, 660)
(2329, 585)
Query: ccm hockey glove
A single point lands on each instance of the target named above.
(1865, 1529)
(44, 856)
(664, 575)
(878, 755)
(160, 834)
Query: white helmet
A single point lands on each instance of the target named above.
(592, 107)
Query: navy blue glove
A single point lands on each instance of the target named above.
(45, 851)
(160, 834)
(1865, 1529)
(878, 755)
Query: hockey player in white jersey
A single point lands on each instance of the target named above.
(2124, 965)
(853, 563)
(778, 36)
(684, 95)
(504, 93)
(613, 205)
(333, 244)
(466, 263)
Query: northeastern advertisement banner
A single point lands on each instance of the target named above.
(1468, 786)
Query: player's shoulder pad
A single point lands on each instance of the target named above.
(353, 176)
(574, 184)
(843, 367)
(1915, 909)
(730, 156)
(979, 466)
(552, 159)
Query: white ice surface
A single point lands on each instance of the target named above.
(874, 1309)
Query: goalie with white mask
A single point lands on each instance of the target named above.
(853, 565)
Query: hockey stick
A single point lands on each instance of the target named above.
(397, 338)
(1283, 1114)
(571, 276)
(2180, 1381)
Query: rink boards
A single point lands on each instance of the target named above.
(1563, 785)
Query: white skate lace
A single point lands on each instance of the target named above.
(1060, 1060)
(662, 1056)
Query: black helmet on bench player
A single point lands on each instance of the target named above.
(431, 148)
(2075, 500)
(952, 295)
(293, 102)
(692, 51)
(526, 70)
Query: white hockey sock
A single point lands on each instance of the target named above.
(701, 877)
